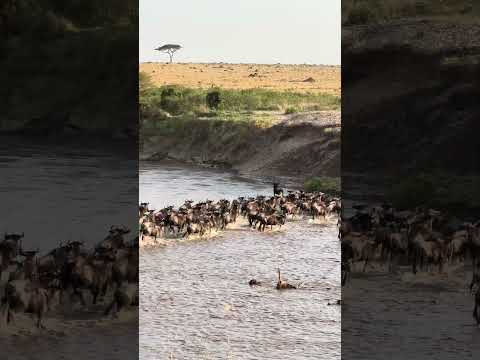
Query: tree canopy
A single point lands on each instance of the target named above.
(170, 49)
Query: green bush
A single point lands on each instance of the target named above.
(291, 110)
(180, 100)
(411, 192)
(213, 99)
(360, 13)
(323, 184)
(144, 83)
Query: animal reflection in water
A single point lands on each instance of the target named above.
(421, 238)
(37, 284)
(261, 212)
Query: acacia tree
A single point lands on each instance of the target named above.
(170, 49)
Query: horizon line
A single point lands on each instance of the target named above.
(234, 63)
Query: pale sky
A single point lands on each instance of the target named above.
(242, 31)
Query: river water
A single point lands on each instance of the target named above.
(399, 315)
(57, 191)
(73, 191)
(195, 299)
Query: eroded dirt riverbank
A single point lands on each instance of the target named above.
(298, 146)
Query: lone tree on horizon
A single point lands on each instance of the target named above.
(170, 49)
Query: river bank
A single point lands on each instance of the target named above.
(296, 146)
(68, 84)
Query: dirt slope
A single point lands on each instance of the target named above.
(298, 146)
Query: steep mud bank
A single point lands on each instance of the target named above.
(298, 146)
(70, 84)
(410, 92)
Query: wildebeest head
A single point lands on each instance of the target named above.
(14, 236)
(119, 229)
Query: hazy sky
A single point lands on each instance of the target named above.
(242, 31)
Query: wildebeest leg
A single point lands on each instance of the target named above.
(414, 263)
(10, 316)
(104, 289)
(6, 311)
(79, 293)
(475, 313)
(119, 306)
(110, 306)
(95, 292)
(365, 265)
(39, 321)
(390, 258)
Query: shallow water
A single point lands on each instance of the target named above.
(195, 298)
(400, 315)
(67, 191)
(405, 316)
(62, 183)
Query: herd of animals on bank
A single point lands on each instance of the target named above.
(37, 284)
(422, 239)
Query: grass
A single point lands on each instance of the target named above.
(356, 12)
(325, 184)
(172, 110)
(448, 192)
(215, 114)
(275, 77)
(178, 100)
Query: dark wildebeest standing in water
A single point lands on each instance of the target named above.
(475, 288)
(277, 190)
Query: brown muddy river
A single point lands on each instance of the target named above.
(404, 316)
(48, 191)
(195, 299)
(62, 183)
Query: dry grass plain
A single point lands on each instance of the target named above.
(299, 78)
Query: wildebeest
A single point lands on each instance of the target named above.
(124, 296)
(24, 296)
(281, 285)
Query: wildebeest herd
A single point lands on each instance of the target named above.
(33, 283)
(421, 239)
(261, 212)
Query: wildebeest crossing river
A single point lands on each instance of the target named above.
(195, 298)
(74, 191)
